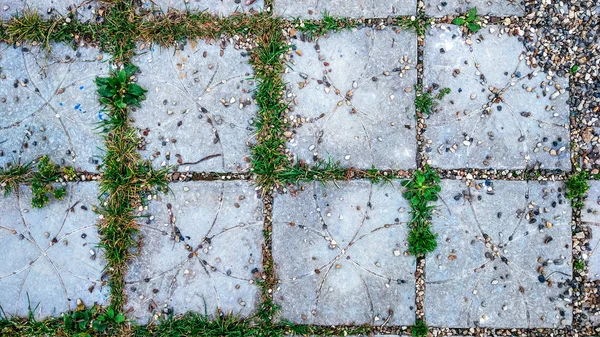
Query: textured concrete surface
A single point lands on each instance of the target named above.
(187, 261)
(50, 255)
(315, 9)
(494, 239)
(49, 105)
(222, 7)
(339, 255)
(84, 10)
(484, 7)
(590, 214)
(199, 110)
(500, 113)
(352, 99)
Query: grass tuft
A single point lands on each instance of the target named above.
(31, 28)
(13, 176)
(426, 101)
(577, 186)
(417, 24)
(312, 29)
(419, 329)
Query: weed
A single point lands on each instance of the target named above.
(425, 101)
(574, 69)
(419, 329)
(41, 183)
(471, 21)
(110, 317)
(82, 322)
(69, 173)
(117, 91)
(577, 186)
(418, 24)
(12, 176)
(579, 265)
(421, 240)
(422, 189)
(314, 28)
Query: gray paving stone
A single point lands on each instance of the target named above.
(315, 9)
(84, 10)
(47, 253)
(590, 214)
(352, 99)
(339, 255)
(492, 239)
(199, 106)
(501, 113)
(50, 106)
(593, 257)
(222, 7)
(201, 247)
(484, 7)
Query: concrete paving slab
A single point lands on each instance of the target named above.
(199, 111)
(316, 9)
(50, 255)
(484, 7)
(201, 251)
(50, 106)
(221, 7)
(352, 99)
(500, 113)
(590, 214)
(339, 255)
(84, 10)
(493, 240)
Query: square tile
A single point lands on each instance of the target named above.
(494, 238)
(50, 254)
(187, 261)
(315, 9)
(484, 7)
(500, 113)
(50, 106)
(352, 99)
(590, 215)
(221, 7)
(340, 255)
(199, 110)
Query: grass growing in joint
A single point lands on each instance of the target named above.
(315, 28)
(41, 179)
(13, 176)
(426, 101)
(30, 27)
(328, 170)
(418, 24)
(577, 186)
(419, 329)
(422, 189)
(268, 158)
(125, 177)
